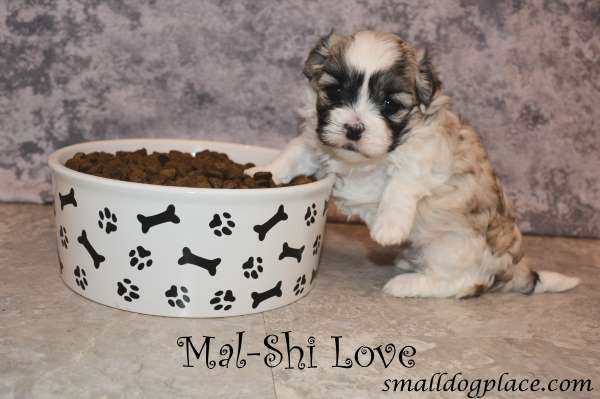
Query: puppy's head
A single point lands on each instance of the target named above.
(371, 89)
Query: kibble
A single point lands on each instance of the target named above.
(205, 169)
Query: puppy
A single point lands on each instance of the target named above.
(410, 168)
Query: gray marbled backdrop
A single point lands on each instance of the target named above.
(525, 73)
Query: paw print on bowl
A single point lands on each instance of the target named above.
(177, 296)
(222, 224)
(107, 220)
(80, 277)
(64, 240)
(252, 269)
(222, 300)
(317, 245)
(139, 258)
(310, 215)
(127, 290)
(300, 283)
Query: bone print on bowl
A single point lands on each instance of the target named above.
(177, 226)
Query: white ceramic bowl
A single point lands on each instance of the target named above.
(186, 252)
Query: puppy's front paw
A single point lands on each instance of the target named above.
(264, 168)
(389, 230)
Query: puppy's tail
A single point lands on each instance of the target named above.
(553, 282)
(526, 281)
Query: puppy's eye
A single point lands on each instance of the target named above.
(390, 107)
(334, 92)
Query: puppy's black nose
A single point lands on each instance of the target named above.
(354, 132)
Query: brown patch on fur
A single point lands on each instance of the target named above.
(500, 280)
(330, 47)
(516, 251)
(474, 292)
(503, 235)
(488, 210)
(499, 235)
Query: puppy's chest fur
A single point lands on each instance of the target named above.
(357, 190)
(460, 190)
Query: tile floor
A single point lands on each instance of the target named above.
(56, 344)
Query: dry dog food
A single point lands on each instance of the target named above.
(206, 169)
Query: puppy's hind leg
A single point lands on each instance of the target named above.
(449, 268)
(424, 285)
(414, 285)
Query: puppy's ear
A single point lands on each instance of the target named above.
(318, 55)
(427, 83)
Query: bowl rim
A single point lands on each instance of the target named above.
(59, 168)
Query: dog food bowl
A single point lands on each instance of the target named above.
(186, 252)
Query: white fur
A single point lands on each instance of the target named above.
(369, 53)
(406, 194)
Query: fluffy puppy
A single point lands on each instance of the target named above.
(410, 168)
